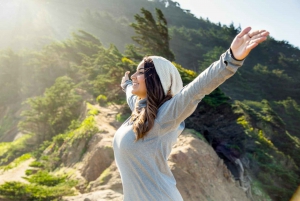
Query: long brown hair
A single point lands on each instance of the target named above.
(143, 118)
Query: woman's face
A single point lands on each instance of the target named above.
(138, 80)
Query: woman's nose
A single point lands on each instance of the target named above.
(132, 76)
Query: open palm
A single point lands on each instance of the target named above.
(245, 41)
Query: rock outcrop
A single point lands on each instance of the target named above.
(200, 173)
(100, 156)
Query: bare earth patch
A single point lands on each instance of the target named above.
(16, 173)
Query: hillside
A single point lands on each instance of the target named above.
(271, 71)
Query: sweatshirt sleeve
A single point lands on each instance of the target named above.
(130, 98)
(183, 104)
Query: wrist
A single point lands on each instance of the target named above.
(232, 55)
(124, 85)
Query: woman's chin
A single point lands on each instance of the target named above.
(133, 92)
(141, 96)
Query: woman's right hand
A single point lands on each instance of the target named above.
(126, 77)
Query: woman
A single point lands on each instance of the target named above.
(159, 106)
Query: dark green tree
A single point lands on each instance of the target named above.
(152, 36)
(52, 113)
(133, 53)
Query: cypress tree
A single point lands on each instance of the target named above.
(152, 36)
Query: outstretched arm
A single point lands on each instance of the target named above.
(183, 104)
(126, 85)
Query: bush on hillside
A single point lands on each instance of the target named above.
(31, 192)
(44, 178)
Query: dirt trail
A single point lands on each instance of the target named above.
(16, 173)
(106, 119)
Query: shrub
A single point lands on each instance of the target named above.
(30, 172)
(59, 139)
(36, 164)
(32, 192)
(101, 99)
(46, 179)
(13, 190)
(122, 117)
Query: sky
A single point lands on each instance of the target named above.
(280, 18)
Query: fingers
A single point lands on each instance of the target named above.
(251, 46)
(258, 33)
(258, 40)
(257, 37)
(126, 74)
(244, 32)
(253, 34)
(125, 77)
(255, 42)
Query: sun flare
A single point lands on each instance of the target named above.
(24, 21)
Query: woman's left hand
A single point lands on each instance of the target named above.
(245, 41)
